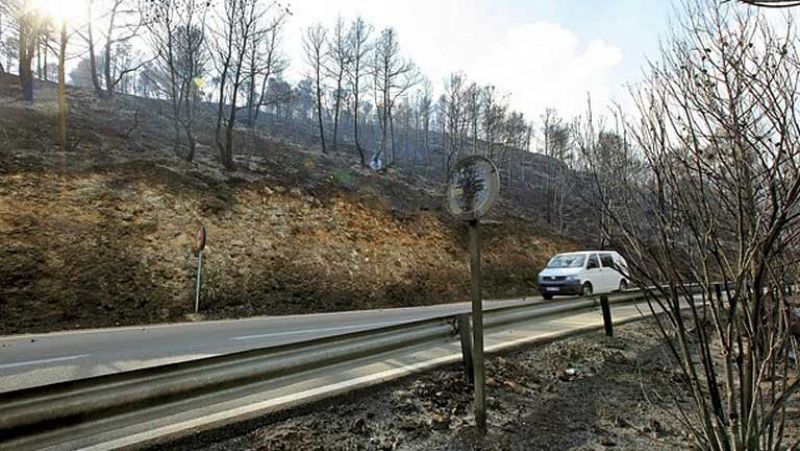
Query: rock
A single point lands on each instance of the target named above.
(280, 189)
(655, 428)
(407, 424)
(359, 426)
(388, 444)
(512, 385)
(566, 375)
(296, 192)
(440, 422)
(194, 317)
(608, 442)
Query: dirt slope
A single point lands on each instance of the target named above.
(101, 235)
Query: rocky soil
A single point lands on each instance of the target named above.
(587, 393)
(101, 235)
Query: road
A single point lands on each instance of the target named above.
(31, 360)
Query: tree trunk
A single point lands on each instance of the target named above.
(356, 76)
(107, 70)
(251, 93)
(319, 109)
(62, 97)
(189, 126)
(44, 57)
(26, 34)
(221, 108)
(391, 134)
(228, 157)
(336, 107)
(39, 58)
(92, 58)
(355, 131)
(110, 82)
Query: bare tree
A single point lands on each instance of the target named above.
(266, 62)
(62, 86)
(124, 23)
(425, 110)
(556, 146)
(360, 48)
(340, 59)
(316, 53)
(236, 26)
(177, 37)
(4, 13)
(473, 111)
(494, 108)
(718, 130)
(596, 157)
(90, 41)
(453, 124)
(394, 76)
(30, 24)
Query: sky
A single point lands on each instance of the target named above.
(543, 53)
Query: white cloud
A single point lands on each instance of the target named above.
(543, 65)
(540, 64)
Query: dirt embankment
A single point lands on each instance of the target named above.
(101, 235)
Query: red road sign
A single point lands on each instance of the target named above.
(199, 240)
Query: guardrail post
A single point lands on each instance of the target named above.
(465, 334)
(606, 315)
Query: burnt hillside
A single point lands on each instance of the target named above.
(101, 235)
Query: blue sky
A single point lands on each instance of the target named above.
(542, 52)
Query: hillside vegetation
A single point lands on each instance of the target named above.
(101, 235)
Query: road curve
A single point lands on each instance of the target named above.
(39, 359)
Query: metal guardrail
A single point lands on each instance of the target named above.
(29, 412)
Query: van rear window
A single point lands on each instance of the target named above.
(608, 260)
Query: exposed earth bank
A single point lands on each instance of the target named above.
(101, 235)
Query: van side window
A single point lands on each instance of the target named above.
(607, 260)
(592, 263)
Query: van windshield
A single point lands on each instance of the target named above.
(567, 261)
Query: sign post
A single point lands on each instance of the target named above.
(473, 186)
(197, 248)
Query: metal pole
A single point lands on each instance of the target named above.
(609, 326)
(199, 277)
(477, 328)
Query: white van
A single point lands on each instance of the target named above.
(584, 273)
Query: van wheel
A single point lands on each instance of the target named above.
(623, 285)
(547, 297)
(587, 289)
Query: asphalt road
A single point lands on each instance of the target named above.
(31, 360)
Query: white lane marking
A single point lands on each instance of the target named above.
(311, 331)
(42, 361)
